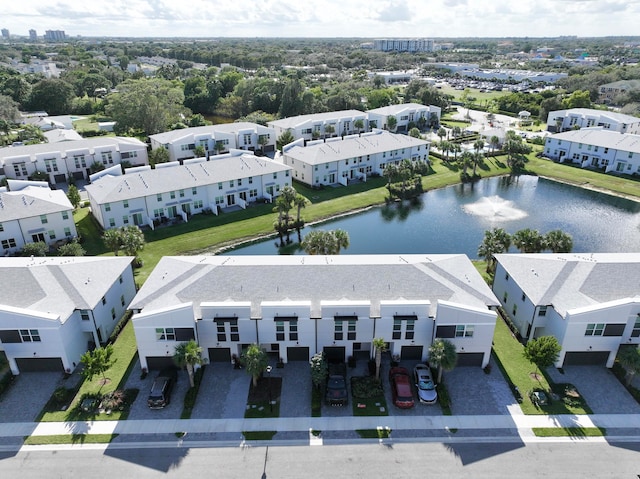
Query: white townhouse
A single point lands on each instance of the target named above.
(296, 306)
(65, 159)
(589, 302)
(54, 309)
(356, 157)
(29, 214)
(145, 196)
(596, 148)
(215, 139)
(575, 118)
(609, 91)
(322, 125)
(405, 114)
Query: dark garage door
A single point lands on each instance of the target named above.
(220, 355)
(411, 352)
(470, 359)
(298, 354)
(60, 178)
(155, 363)
(586, 358)
(335, 354)
(32, 365)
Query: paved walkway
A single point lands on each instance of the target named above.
(444, 423)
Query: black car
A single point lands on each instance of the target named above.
(336, 393)
(160, 394)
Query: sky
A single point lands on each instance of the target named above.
(324, 18)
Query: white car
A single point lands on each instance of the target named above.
(425, 385)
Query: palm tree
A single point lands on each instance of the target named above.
(329, 130)
(465, 161)
(380, 346)
(528, 241)
(359, 124)
(443, 355)
(299, 202)
(494, 141)
(495, 241)
(441, 133)
(284, 139)
(558, 241)
(392, 123)
(112, 239)
(455, 149)
(319, 242)
(255, 361)
(478, 146)
(445, 147)
(390, 172)
(188, 354)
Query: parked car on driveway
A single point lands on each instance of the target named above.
(336, 392)
(401, 387)
(424, 383)
(160, 394)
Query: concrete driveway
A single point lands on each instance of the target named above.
(599, 387)
(29, 393)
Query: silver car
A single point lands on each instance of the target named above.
(425, 385)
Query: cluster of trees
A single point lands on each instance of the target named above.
(129, 239)
(40, 248)
(320, 242)
(285, 223)
(404, 180)
(527, 240)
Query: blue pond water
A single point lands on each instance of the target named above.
(453, 219)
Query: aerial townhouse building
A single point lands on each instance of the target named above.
(596, 148)
(338, 161)
(70, 159)
(215, 139)
(54, 309)
(405, 114)
(576, 118)
(174, 192)
(297, 306)
(589, 302)
(33, 213)
(322, 125)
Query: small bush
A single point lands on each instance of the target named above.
(114, 400)
(5, 381)
(443, 396)
(366, 387)
(316, 402)
(192, 394)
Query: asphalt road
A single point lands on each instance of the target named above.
(398, 460)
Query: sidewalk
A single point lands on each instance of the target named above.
(394, 423)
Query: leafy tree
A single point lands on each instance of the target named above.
(414, 132)
(320, 242)
(359, 125)
(189, 355)
(319, 369)
(132, 240)
(478, 146)
(96, 166)
(8, 110)
(149, 106)
(443, 355)
(291, 102)
(543, 351)
(112, 239)
(159, 155)
(39, 248)
(97, 362)
(74, 196)
(629, 359)
(52, 95)
(199, 151)
(284, 139)
(329, 130)
(255, 361)
(528, 241)
(578, 99)
(71, 249)
(514, 147)
(494, 141)
(495, 241)
(392, 123)
(442, 133)
(380, 346)
(558, 241)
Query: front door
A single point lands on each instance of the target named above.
(243, 195)
(172, 211)
(186, 207)
(38, 237)
(137, 219)
(231, 200)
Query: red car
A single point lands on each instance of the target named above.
(401, 392)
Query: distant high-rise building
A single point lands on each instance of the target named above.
(403, 45)
(54, 35)
(5, 34)
(33, 35)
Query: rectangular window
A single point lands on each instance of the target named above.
(279, 330)
(275, 175)
(351, 330)
(104, 300)
(514, 311)
(43, 219)
(172, 195)
(194, 191)
(113, 313)
(231, 330)
(8, 243)
(198, 204)
(338, 331)
(219, 186)
(125, 219)
(159, 197)
(165, 334)
(65, 215)
(125, 203)
(411, 324)
(52, 234)
(84, 315)
(542, 311)
(397, 329)
(293, 330)
(594, 329)
(635, 332)
(67, 232)
(251, 180)
(107, 207)
(30, 335)
(464, 330)
(523, 296)
(122, 300)
(112, 222)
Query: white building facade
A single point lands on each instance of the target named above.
(598, 148)
(215, 139)
(338, 161)
(56, 308)
(228, 303)
(30, 214)
(174, 192)
(576, 118)
(322, 125)
(589, 302)
(70, 159)
(406, 115)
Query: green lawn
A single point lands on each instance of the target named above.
(524, 375)
(124, 350)
(569, 431)
(70, 439)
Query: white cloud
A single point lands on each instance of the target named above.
(323, 18)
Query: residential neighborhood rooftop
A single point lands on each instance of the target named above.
(569, 281)
(597, 136)
(294, 121)
(58, 285)
(90, 143)
(614, 115)
(395, 109)
(32, 201)
(173, 135)
(197, 279)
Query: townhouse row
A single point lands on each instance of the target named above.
(575, 118)
(54, 308)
